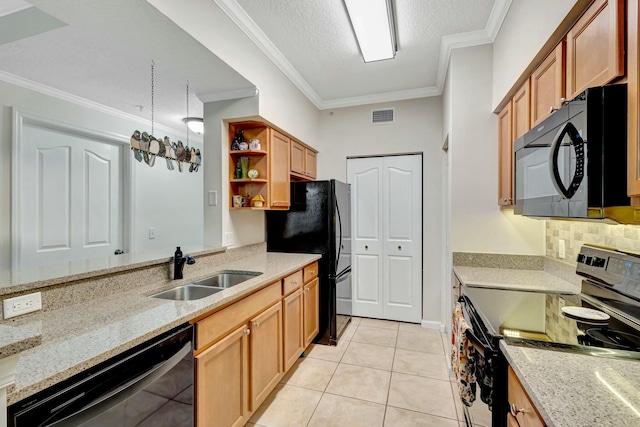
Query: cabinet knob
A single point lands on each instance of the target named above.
(399, 247)
(256, 324)
(515, 411)
(366, 247)
(507, 199)
(312, 271)
(247, 331)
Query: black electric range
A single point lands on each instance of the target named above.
(603, 320)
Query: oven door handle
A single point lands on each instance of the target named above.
(476, 343)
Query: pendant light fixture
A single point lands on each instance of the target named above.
(196, 124)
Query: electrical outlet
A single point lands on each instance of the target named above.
(213, 198)
(23, 304)
(561, 249)
(228, 238)
(152, 232)
(561, 304)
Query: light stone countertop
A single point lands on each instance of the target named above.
(533, 280)
(574, 390)
(80, 336)
(14, 340)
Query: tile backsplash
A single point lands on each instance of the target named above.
(577, 233)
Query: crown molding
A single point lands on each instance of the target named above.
(86, 103)
(251, 29)
(229, 94)
(13, 6)
(472, 38)
(399, 95)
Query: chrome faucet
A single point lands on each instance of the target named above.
(178, 263)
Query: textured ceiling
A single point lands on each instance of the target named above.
(316, 37)
(105, 52)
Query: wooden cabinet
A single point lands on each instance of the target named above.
(548, 85)
(505, 157)
(223, 366)
(271, 162)
(633, 112)
(292, 313)
(303, 162)
(522, 409)
(521, 113)
(265, 353)
(595, 46)
(311, 315)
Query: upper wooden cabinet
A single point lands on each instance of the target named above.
(633, 112)
(303, 162)
(279, 171)
(521, 116)
(505, 157)
(548, 85)
(595, 47)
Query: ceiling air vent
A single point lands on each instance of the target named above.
(380, 117)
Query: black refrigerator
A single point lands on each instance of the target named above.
(319, 222)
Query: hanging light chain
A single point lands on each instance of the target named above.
(152, 106)
(187, 112)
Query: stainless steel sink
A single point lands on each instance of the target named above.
(187, 292)
(227, 279)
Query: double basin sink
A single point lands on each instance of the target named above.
(208, 286)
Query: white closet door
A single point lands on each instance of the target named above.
(70, 197)
(386, 200)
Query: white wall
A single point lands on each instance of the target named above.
(418, 128)
(527, 27)
(167, 200)
(477, 223)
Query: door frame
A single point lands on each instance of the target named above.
(412, 153)
(22, 118)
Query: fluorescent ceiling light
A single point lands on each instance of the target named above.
(196, 124)
(373, 23)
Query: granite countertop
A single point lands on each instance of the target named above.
(534, 280)
(13, 340)
(578, 390)
(80, 336)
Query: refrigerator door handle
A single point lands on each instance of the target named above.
(335, 270)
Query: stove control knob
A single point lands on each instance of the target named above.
(581, 258)
(598, 262)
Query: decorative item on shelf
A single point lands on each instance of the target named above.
(258, 201)
(244, 163)
(238, 170)
(254, 144)
(253, 174)
(147, 147)
(237, 140)
(238, 201)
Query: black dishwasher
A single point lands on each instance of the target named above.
(148, 385)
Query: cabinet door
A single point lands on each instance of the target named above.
(279, 170)
(633, 112)
(265, 355)
(595, 47)
(292, 321)
(547, 85)
(526, 414)
(505, 157)
(310, 163)
(297, 157)
(223, 367)
(311, 317)
(521, 117)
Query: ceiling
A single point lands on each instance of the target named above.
(98, 53)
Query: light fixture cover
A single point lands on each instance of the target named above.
(196, 124)
(373, 24)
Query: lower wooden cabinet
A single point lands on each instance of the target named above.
(292, 309)
(523, 412)
(222, 397)
(265, 353)
(311, 315)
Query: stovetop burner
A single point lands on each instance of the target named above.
(605, 337)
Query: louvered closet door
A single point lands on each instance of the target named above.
(387, 236)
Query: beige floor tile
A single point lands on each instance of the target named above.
(356, 320)
(396, 417)
(310, 373)
(340, 411)
(327, 352)
(379, 323)
(369, 355)
(417, 327)
(420, 394)
(348, 332)
(418, 341)
(287, 406)
(423, 364)
(480, 413)
(378, 336)
(367, 384)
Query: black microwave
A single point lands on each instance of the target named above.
(574, 163)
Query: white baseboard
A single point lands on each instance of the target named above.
(428, 324)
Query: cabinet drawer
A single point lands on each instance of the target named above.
(220, 323)
(310, 272)
(292, 282)
(526, 414)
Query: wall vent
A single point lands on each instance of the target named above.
(381, 117)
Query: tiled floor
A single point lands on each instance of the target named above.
(382, 373)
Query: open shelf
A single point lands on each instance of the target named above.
(249, 180)
(248, 153)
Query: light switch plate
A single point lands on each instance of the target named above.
(23, 304)
(561, 249)
(228, 238)
(152, 232)
(213, 198)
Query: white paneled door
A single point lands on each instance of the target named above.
(386, 200)
(70, 197)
